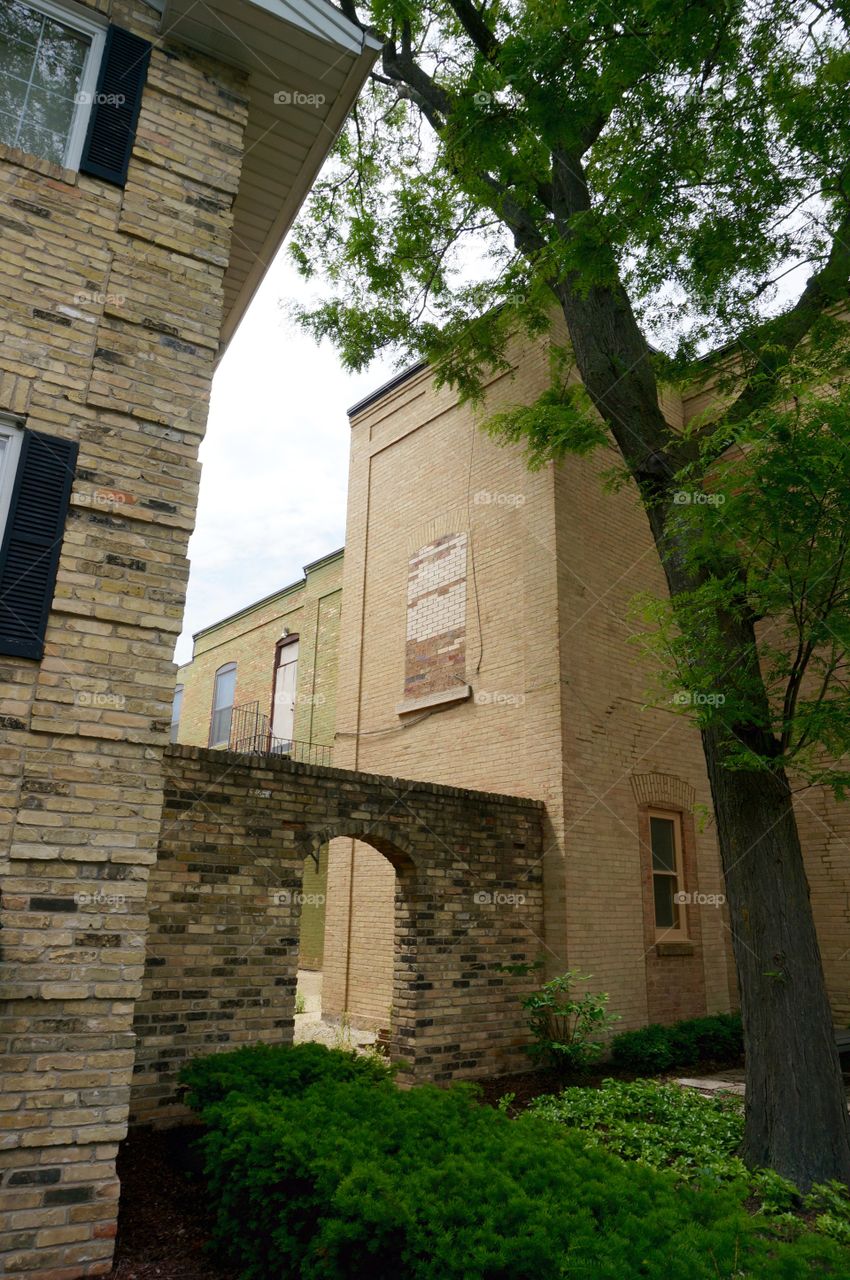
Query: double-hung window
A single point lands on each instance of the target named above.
(222, 709)
(176, 708)
(665, 837)
(50, 57)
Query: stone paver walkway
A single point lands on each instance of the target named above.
(731, 1081)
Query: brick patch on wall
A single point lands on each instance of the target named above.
(435, 654)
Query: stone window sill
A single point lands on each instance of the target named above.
(45, 167)
(445, 697)
(680, 947)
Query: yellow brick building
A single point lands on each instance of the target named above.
(488, 642)
(152, 156)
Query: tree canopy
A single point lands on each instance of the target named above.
(677, 177)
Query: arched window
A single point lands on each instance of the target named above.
(222, 707)
(176, 708)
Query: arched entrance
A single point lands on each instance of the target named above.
(225, 904)
(369, 886)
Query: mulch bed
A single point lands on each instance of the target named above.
(162, 1227)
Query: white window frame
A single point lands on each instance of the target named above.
(82, 20)
(11, 429)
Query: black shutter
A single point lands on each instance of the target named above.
(115, 111)
(29, 556)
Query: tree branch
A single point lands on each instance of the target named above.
(476, 28)
(779, 337)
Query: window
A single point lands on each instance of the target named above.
(50, 57)
(665, 836)
(222, 709)
(11, 435)
(176, 708)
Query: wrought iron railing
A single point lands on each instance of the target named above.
(250, 733)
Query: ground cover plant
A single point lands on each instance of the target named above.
(697, 1138)
(320, 1169)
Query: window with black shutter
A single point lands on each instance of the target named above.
(29, 554)
(115, 110)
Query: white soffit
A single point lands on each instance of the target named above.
(310, 55)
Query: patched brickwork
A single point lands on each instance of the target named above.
(225, 904)
(435, 655)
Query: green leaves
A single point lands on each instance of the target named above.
(569, 1029)
(773, 506)
(559, 423)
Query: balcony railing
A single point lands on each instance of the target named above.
(250, 733)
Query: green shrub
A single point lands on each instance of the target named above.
(653, 1049)
(567, 1027)
(259, 1070)
(357, 1180)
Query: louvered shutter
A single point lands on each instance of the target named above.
(29, 556)
(115, 112)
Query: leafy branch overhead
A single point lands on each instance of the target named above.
(674, 179)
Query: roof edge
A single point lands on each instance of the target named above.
(322, 560)
(386, 387)
(258, 604)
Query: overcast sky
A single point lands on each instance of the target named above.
(275, 459)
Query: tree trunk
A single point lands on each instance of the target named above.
(796, 1111)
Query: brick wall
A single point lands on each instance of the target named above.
(225, 903)
(111, 304)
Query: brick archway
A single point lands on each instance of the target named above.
(224, 901)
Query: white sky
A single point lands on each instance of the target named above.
(275, 459)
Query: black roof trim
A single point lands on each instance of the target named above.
(317, 564)
(387, 387)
